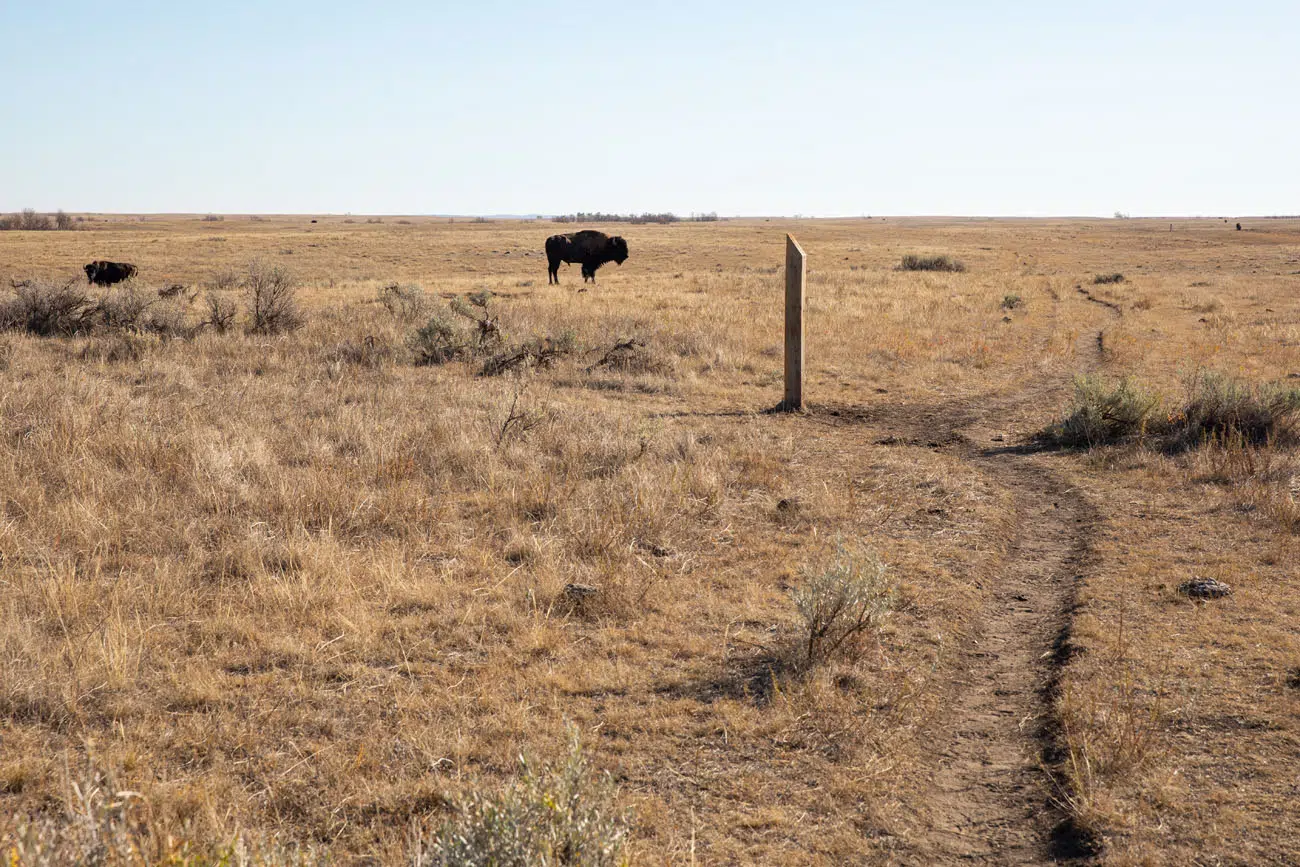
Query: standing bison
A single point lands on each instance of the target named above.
(589, 247)
(103, 273)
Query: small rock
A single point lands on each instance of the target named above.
(580, 591)
(653, 549)
(997, 438)
(1204, 588)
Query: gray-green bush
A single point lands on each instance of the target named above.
(841, 601)
(552, 815)
(405, 302)
(913, 262)
(438, 341)
(1220, 407)
(1103, 412)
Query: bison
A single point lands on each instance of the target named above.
(589, 247)
(103, 273)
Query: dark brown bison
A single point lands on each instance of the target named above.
(103, 273)
(589, 247)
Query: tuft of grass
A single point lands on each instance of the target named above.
(914, 262)
(1011, 302)
(369, 352)
(105, 823)
(1103, 279)
(1108, 735)
(224, 280)
(116, 349)
(561, 814)
(842, 601)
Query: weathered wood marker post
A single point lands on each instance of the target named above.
(795, 274)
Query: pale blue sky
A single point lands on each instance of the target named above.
(500, 106)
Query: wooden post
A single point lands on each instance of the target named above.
(795, 273)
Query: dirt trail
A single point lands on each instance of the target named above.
(989, 800)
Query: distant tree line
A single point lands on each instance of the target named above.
(29, 221)
(667, 217)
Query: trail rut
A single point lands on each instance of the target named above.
(991, 799)
(990, 795)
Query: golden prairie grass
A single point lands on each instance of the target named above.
(299, 588)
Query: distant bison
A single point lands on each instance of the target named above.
(103, 273)
(589, 247)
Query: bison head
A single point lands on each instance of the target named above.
(90, 272)
(617, 249)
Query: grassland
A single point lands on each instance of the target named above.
(300, 589)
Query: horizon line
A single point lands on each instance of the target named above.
(530, 216)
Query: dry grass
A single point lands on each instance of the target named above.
(298, 587)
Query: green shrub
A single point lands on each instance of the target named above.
(1103, 413)
(1011, 302)
(913, 262)
(842, 601)
(553, 815)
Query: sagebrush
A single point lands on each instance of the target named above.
(554, 814)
